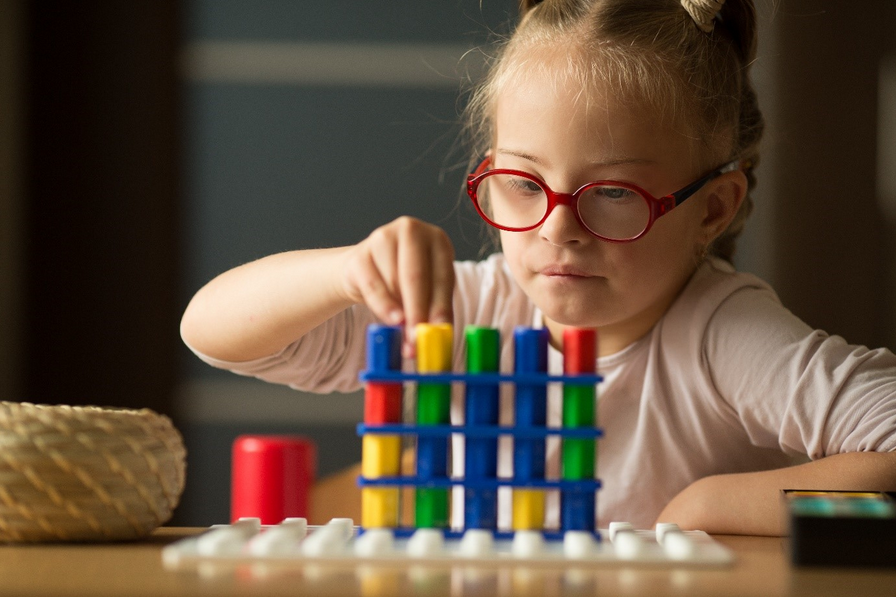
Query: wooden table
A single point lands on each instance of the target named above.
(762, 568)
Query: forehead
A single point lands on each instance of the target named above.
(549, 102)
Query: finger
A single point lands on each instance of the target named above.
(383, 251)
(441, 308)
(414, 276)
(375, 291)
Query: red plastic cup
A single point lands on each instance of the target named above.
(271, 477)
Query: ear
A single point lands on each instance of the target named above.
(724, 197)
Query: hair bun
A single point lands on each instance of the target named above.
(703, 12)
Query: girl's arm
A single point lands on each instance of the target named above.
(750, 503)
(403, 272)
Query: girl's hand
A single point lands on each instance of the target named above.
(404, 272)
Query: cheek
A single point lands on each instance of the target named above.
(668, 248)
(513, 245)
(509, 243)
(663, 261)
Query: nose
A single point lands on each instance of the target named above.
(562, 225)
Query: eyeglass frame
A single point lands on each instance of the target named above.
(658, 206)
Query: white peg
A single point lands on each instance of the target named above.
(329, 539)
(426, 543)
(616, 527)
(477, 543)
(679, 546)
(282, 539)
(663, 529)
(227, 540)
(527, 544)
(628, 545)
(375, 542)
(578, 544)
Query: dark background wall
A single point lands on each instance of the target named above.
(101, 240)
(835, 226)
(139, 159)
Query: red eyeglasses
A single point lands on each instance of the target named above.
(613, 211)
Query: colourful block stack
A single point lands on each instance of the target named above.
(383, 427)
(381, 454)
(434, 352)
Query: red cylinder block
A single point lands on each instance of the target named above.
(382, 403)
(271, 477)
(579, 350)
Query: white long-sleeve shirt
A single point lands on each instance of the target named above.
(727, 381)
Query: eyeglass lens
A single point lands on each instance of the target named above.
(609, 211)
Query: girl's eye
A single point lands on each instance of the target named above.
(614, 193)
(523, 185)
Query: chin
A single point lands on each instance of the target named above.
(571, 309)
(573, 315)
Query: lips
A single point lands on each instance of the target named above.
(565, 271)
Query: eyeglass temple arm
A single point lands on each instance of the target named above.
(680, 196)
(482, 167)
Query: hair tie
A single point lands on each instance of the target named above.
(703, 12)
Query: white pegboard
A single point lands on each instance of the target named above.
(340, 542)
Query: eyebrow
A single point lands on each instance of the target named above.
(620, 161)
(519, 154)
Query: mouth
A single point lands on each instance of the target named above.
(565, 271)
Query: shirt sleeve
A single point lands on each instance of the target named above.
(326, 359)
(796, 388)
(330, 357)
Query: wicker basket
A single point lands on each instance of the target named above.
(70, 473)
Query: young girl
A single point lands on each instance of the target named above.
(616, 142)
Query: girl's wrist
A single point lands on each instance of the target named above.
(338, 274)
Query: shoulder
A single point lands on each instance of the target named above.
(717, 294)
(715, 281)
(726, 326)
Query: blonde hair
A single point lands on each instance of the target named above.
(686, 60)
